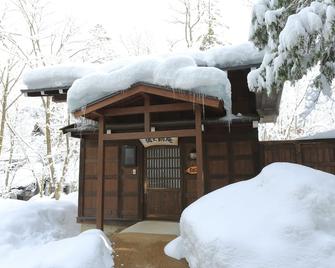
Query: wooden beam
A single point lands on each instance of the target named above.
(159, 108)
(146, 113)
(143, 135)
(158, 91)
(100, 176)
(199, 152)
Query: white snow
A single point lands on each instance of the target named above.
(180, 71)
(174, 72)
(300, 25)
(44, 233)
(284, 217)
(228, 56)
(330, 134)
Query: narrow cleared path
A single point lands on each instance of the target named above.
(143, 250)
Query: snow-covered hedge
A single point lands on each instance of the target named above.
(284, 217)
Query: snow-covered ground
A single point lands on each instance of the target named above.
(284, 217)
(44, 233)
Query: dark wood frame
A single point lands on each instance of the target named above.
(100, 111)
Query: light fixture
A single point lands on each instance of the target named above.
(193, 155)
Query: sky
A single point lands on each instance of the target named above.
(152, 18)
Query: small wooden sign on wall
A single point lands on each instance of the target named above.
(168, 141)
(193, 170)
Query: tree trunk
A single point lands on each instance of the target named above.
(3, 113)
(59, 186)
(48, 140)
(10, 160)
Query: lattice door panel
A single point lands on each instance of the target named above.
(163, 168)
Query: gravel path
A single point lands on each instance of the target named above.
(134, 250)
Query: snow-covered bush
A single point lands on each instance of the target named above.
(284, 217)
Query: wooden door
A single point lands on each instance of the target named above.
(162, 183)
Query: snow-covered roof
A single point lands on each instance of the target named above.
(199, 72)
(330, 134)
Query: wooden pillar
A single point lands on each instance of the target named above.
(146, 113)
(199, 151)
(100, 176)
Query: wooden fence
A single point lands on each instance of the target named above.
(319, 154)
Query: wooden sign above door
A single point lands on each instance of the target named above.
(169, 141)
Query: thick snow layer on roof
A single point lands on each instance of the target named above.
(178, 72)
(44, 233)
(183, 71)
(284, 217)
(229, 56)
(64, 75)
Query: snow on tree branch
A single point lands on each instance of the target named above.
(297, 35)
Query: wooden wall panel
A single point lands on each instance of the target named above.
(130, 187)
(243, 100)
(230, 156)
(88, 177)
(111, 173)
(238, 163)
(189, 185)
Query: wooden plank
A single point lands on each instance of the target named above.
(100, 176)
(298, 153)
(173, 107)
(199, 152)
(146, 113)
(167, 93)
(81, 198)
(143, 135)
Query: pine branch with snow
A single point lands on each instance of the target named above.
(296, 35)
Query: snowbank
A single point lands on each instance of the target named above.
(284, 217)
(42, 233)
(181, 71)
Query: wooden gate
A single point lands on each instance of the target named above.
(162, 184)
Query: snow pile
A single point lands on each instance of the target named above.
(284, 217)
(40, 234)
(183, 71)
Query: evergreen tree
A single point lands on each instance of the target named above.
(296, 36)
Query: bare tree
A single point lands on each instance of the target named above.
(40, 44)
(10, 73)
(137, 44)
(200, 20)
(190, 15)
